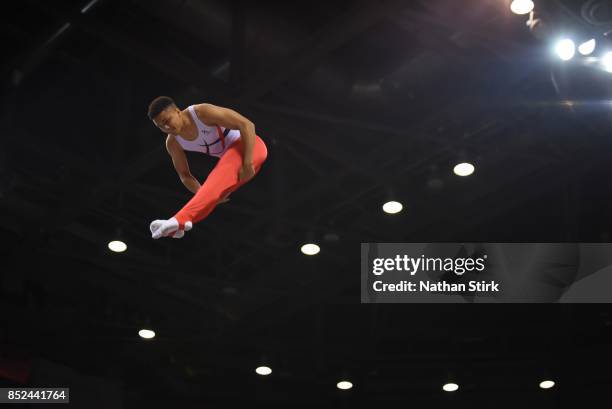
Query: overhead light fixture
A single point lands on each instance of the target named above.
(310, 249)
(344, 385)
(117, 246)
(606, 61)
(463, 169)
(587, 47)
(146, 333)
(565, 49)
(450, 387)
(547, 384)
(521, 6)
(263, 370)
(392, 207)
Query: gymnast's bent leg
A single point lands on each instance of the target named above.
(222, 181)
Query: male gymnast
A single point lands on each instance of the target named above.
(215, 131)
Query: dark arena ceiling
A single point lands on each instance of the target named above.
(358, 102)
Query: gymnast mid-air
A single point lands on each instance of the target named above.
(215, 131)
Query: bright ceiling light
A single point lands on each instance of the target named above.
(587, 47)
(263, 370)
(344, 385)
(521, 6)
(310, 249)
(547, 384)
(606, 61)
(463, 169)
(146, 333)
(565, 49)
(117, 246)
(450, 387)
(392, 207)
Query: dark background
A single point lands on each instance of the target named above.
(358, 102)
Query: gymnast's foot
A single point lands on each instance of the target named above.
(168, 228)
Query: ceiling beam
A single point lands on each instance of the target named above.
(325, 40)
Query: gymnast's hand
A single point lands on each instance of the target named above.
(246, 172)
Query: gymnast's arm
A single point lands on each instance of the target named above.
(179, 159)
(214, 115)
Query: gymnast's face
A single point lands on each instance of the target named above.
(169, 120)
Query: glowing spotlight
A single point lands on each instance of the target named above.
(117, 246)
(310, 249)
(344, 385)
(521, 6)
(587, 47)
(606, 61)
(146, 333)
(392, 207)
(547, 384)
(450, 387)
(263, 370)
(565, 49)
(463, 169)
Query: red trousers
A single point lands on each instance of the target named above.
(221, 181)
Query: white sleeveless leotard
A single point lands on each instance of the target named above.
(212, 140)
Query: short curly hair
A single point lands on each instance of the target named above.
(158, 105)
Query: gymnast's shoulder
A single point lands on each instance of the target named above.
(171, 143)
